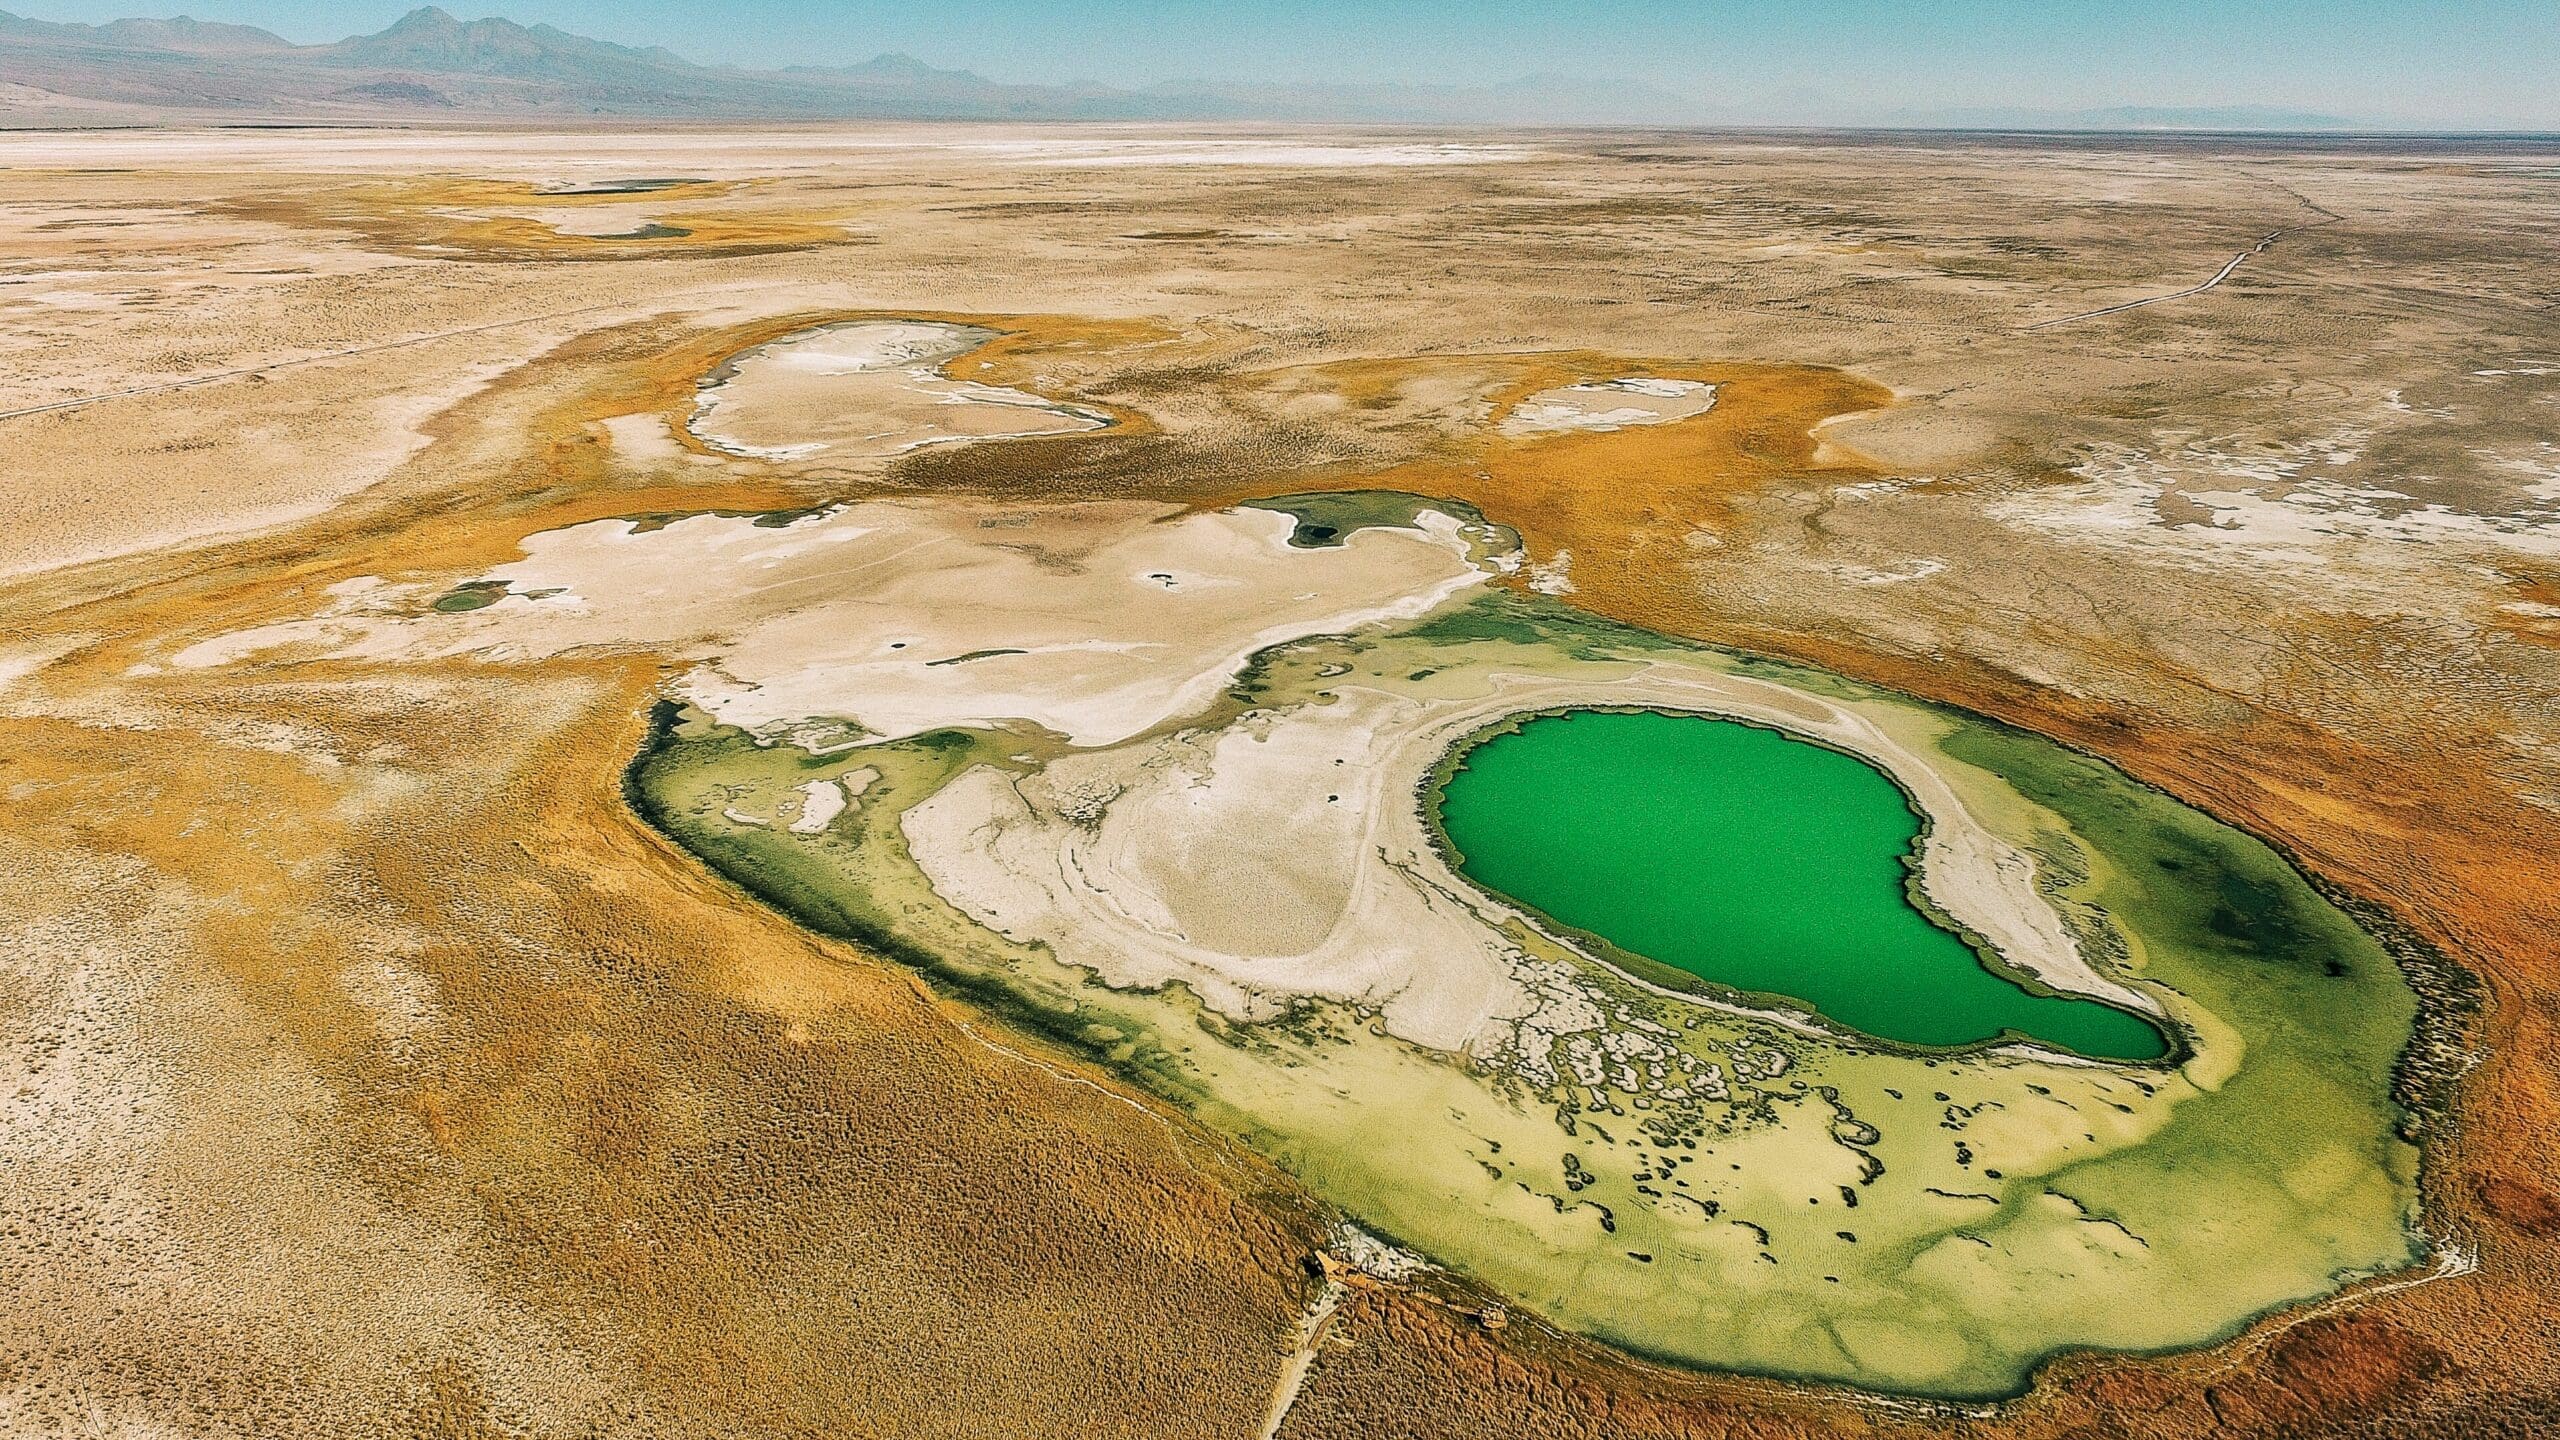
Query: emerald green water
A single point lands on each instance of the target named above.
(1750, 860)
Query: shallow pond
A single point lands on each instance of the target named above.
(1751, 860)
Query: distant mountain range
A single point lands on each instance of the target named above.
(430, 66)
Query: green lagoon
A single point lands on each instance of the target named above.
(1753, 861)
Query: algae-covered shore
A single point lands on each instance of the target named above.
(1697, 1180)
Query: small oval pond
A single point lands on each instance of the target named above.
(1750, 860)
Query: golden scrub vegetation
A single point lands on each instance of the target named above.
(459, 218)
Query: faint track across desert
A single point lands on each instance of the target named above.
(1302, 1361)
(2327, 217)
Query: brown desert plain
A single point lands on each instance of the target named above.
(379, 1055)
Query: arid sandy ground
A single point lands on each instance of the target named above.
(365, 1066)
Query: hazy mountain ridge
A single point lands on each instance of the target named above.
(430, 39)
(179, 34)
(426, 61)
(429, 63)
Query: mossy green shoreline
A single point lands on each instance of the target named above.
(1828, 1209)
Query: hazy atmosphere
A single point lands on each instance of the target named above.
(2428, 64)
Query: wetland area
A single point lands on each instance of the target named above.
(1703, 1180)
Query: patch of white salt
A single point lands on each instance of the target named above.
(821, 801)
(1609, 405)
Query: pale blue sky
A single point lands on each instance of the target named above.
(2441, 61)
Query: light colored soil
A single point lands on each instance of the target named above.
(867, 391)
(1609, 405)
(1095, 623)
